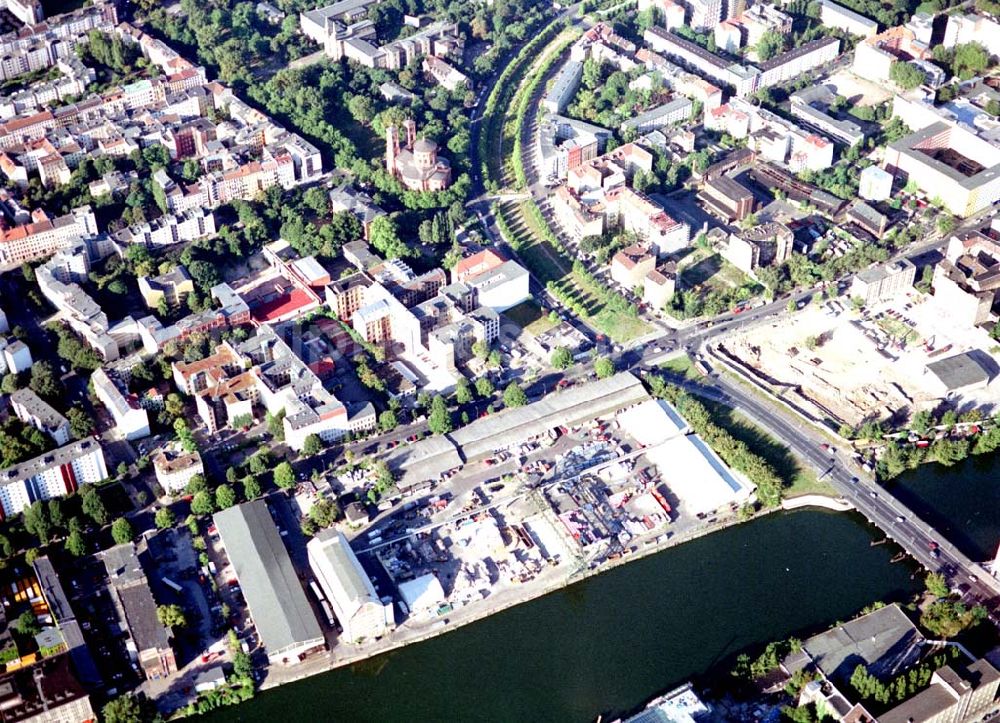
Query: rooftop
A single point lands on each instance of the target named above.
(281, 612)
(959, 371)
(884, 641)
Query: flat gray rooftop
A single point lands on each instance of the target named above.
(959, 371)
(884, 641)
(281, 612)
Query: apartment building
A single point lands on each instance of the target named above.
(346, 198)
(131, 420)
(874, 56)
(564, 143)
(884, 281)
(634, 212)
(811, 106)
(32, 409)
(175, 468)
(950, 163)
(793, 63)
(563, 87)
(59, 281)
(967, 280)
(43, 236)
(743, 79)
(263, 371)
(766, 244)
(53, 474)
(171, 288)
(631, 265)
(837, 16)
(447, 76)
(673, 111)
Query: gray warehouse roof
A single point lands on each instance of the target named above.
(281, 612)
(959, 371)
(884, 641)
(428, 458)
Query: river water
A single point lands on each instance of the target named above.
(611, 642)
(962, 502)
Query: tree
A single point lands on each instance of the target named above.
(905, 75)
(80, 423)
(75, 544)
(43, 380)
(251, 487)
(323, 513)
(604, 368)
(242, 665)
(225, 497)
(202, 504)
(276, 425)
(562, 358)
(439, 420)
(514, 396)
(970, 59)
(27, 624)
(165, 518)
(770, 44)
(173, 404)
(387, 420)
(312, 445)
(384, 237)
(484, 387)
(284, 476)
(259, 463)
(937, 585)
(36, 521)
(121, 531)
(125, 709)
(196, 484)
(93, 506)
(171, 616)
(480, 349)
(463, 391)
(10, 384)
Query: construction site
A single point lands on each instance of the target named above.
(887, 359)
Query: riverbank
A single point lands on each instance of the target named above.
(544, 584)
(608, 642)
(557, 579)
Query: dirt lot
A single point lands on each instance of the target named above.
(858, 90)
(863, 365)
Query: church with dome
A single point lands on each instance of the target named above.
(417, 164)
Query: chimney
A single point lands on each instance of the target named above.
(391, 148)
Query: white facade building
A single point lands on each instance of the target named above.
(360, 612)
(875, 184)
(32, 409)
(131, 420)
(53, 474)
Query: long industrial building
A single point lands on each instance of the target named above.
(361, 614)
(428, 458)
(284, 619)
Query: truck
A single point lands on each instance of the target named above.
(171, 584)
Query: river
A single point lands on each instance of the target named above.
(611, 642)
(962, 502)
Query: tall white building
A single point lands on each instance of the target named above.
(32, 409)
(360, 612)
(131, 420)
(53, 474)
